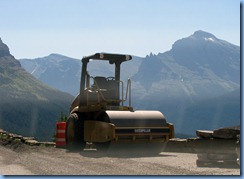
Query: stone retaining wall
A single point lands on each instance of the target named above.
(10, 137)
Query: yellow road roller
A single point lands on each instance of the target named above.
(99, 116)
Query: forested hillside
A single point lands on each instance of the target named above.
(27, 106)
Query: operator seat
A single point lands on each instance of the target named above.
(100, 82)
(108, 89)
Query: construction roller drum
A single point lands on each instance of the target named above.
(138, 126)
(135, 131)
(138, 118)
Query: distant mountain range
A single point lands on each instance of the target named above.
(63, 72)
(197, 69)
(27, 106)
(198, 66)
(197, 80)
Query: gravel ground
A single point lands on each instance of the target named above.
(34, 160)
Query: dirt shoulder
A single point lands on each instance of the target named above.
(178, 157)
(39, 160)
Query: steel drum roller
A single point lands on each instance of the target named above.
(135, 118)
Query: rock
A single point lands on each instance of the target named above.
(4, 136)
(179, 145)
(2, 131)
(32, 142)
(47, 144)
(27, 138)
(227, 133)
(15, 140)
(204, 134)
(15, 136)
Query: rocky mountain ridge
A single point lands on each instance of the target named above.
(27, 106)
(198, 68)
(194, 67)
(65, 71)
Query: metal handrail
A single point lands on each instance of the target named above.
(122, 100)
(128, 90)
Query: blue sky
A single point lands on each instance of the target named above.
(76, 28)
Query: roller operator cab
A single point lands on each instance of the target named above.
(98, 115)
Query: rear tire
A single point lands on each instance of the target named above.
(74, 132)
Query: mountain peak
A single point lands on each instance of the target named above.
(55, 55)
(58, 57)
(203, 35)
(6, 59)
(4, 50)
(196, 40)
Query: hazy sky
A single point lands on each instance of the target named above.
(75, 28)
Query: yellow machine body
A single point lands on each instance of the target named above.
(98, 113)
(129, 126)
